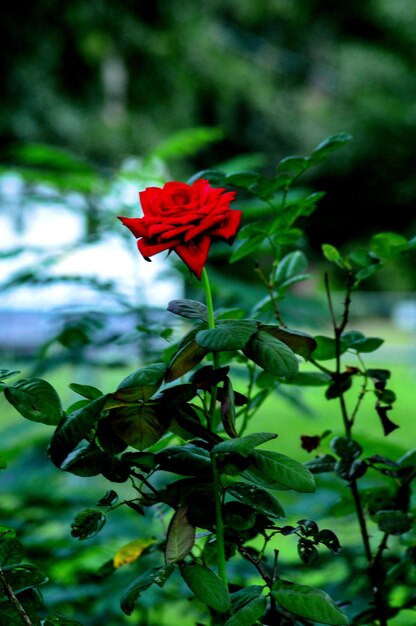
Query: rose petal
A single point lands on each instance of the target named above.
(176, 195)
(154, 230)
(173, 220)
(206, 224)
(194, 255)
(147, 248)
(149, 199)
(135, 225)
(228, 229)
(174, 232)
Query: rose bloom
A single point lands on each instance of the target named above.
(186, 219)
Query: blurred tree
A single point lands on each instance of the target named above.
(277, 76)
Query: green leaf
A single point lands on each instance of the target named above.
(228, 408)
(324, 463)
(109, 498)
(87, 391)
(180, 536)
(243, 445)
(141, 385)
(248, 614)
(144, 460)
(366, 272)
(339, 385)
(177, 395)
(188, 355)
(265, 187)
(11, 551)
(238, 516)
(187, 460)
(74, 428)
(207, 587)
(291, 265)
(388, 245)
(287, 237)
(329, 539)
(139, 426)
(54, 619)
(4, 374)
(281, 471)
(136, 588)
(163, 575)
(228, 335)
(394, 522)
(346, 448)
(260, 499)
(246, 247)
(272, 355)
(301, 343)
(244, 180)
(86, 460)
(293, 164)
(45, 156)
(308, 602)
(408, 459)
(355, 340)
(307, 551)
(243, 596)
(25, 576)
(87, 524)
(326, 348)
(333, 255)
(9, 615)
(378, 375)
(311, 379)
(190, 309)
(187, 142)
(36, 400)
(328, 145)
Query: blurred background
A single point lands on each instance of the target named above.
(101, 99)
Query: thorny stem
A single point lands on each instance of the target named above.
(249, 557)
(145, 482)
(219, 524)
(362, 392)
(269, 286)
(8, 591)
(375, 573)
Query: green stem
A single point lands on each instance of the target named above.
(376, 576)
(208, 298)
(219, 525)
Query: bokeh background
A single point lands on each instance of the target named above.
(275, 77)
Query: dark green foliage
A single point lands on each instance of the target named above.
(87, 524)
(308, 602)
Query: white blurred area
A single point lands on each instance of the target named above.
(46, 229)
(53, 228)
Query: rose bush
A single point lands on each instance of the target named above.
(186, 219)
(185, 445)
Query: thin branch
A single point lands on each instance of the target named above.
(8, 591)
(246, 554)
(269, 286)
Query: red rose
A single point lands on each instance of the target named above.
(186, 219)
